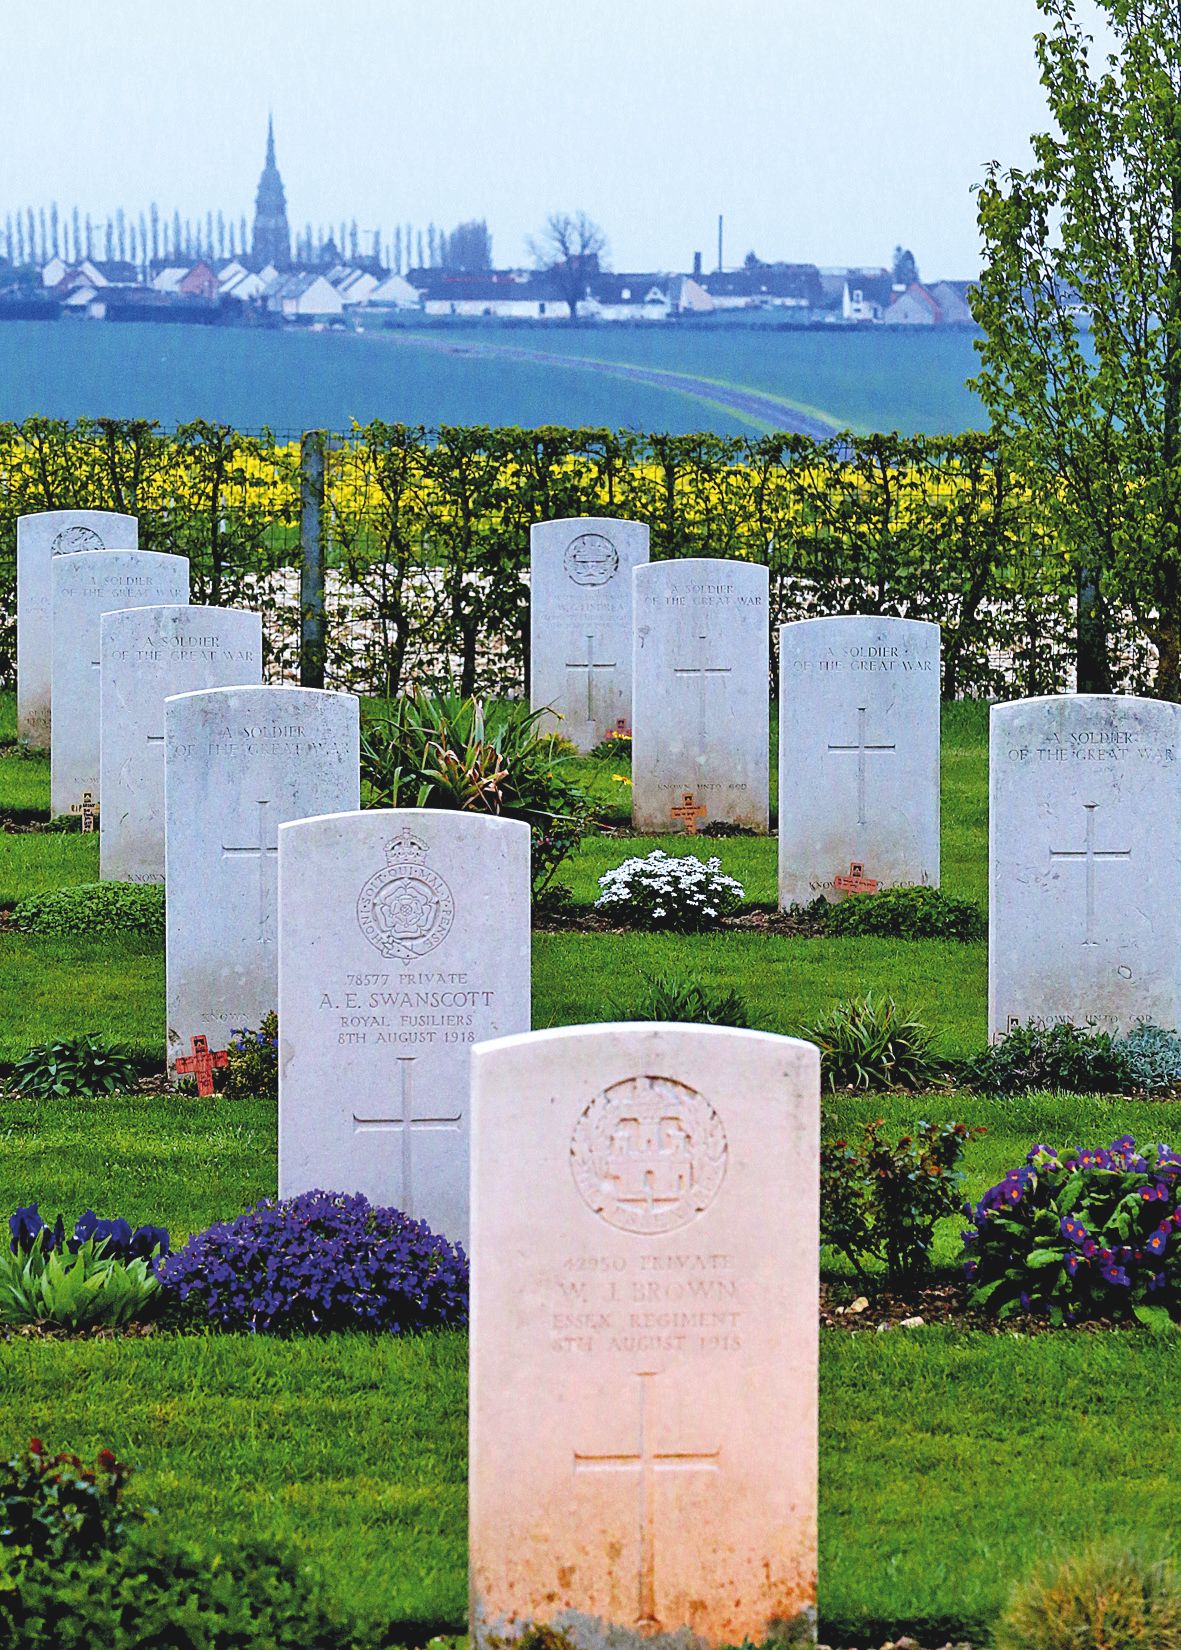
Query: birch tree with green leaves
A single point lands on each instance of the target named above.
(1080, 304)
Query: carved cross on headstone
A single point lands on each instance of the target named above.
(200, 1063)
(856, 882)
(407, 1124)
(645, 1462)
(703, 673)
(590, 665)
(263, 852)
(688, 812)
(88, 808)
(1090, 856)
(863, 748)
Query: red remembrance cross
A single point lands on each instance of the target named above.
(201, 1063)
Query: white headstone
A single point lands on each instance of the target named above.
(403, 939)
(645, 1240)
(240, 762)
(580, 623)
(149, 653)
(700, 693)
(83, 589)
(1084, 827)
(858, 756)
(39, 538)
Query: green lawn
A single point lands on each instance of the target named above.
(950, 1461)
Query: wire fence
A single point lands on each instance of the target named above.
(393, 555)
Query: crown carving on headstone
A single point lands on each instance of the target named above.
(406, 847)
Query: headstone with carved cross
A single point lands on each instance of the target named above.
(1084, 862)
(83, 589)
(858, 756)
(202, 1063)
(403, 939)
(580, 623)
(147, 654)
(238, 762)
(654, 1476)
(700, 666)
(39, 538)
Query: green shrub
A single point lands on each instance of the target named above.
(253, 1060)
(867, 1043)
(906, 914)
(615, 746)
(673, 997)
(1075, 1059)
(75, 1285)
(441, 750)
(1090, 1232)
(1151, 1057)
(94, 908)
(145, 1595)
(1097, 1599)
(52, 1506)
(880, 1201)
(78, 1068)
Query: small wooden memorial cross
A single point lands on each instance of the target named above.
(87, 808)
(689, 812)
(201, 1063)
(856, 882)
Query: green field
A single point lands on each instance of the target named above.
(866, 380)
(951, 1461)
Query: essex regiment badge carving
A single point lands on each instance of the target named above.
(648, 1154)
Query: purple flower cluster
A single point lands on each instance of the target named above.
(1080, 1233)
(246, 1041)
(27, 1231)
(319, 1262)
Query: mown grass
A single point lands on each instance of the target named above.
(950, 1462)
(786, 983)
(56, 988)
(349, 1449)
(175, 1160)
(185, 1162)
(31, 862)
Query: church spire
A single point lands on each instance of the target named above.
(271, 240)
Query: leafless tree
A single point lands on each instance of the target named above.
(569, 249)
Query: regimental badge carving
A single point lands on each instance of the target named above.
(591, 559)
(648, 1154)
(405, 909)
(71, 540)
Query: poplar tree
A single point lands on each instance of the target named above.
(1080, 305)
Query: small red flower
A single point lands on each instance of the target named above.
(106, 1460)
(35, 1446)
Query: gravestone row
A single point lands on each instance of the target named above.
(40, 539)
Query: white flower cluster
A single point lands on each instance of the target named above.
(661, 892)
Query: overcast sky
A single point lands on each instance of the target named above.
(825, 130)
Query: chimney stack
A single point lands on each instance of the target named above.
(697, 265)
